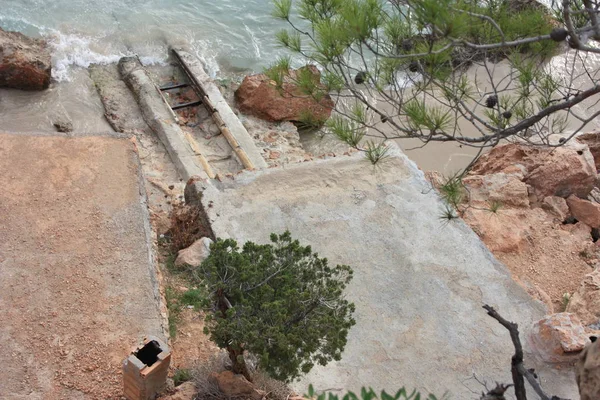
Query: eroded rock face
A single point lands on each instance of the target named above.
(556, 206)
(24, 62)
(505, 231)
(195, 254)
(559, 337)
(587, 372)
(507, 189)
(585, 302)
(561, 171)
(236, 386)
(259, 96)
(585, 211)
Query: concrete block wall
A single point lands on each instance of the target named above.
(143, 382)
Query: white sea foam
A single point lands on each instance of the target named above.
(229, 36)
(70, 50)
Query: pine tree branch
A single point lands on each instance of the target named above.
(517, 358)
(518, 370)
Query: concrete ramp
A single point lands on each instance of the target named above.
(419, 284)
(78, 288)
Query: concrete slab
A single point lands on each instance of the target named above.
(419, 283)
(78, 288)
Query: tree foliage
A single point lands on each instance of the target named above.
(399, 68)
(369, 394)
(278, 301)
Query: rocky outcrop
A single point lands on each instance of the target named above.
(259, 96)
(584, 211)
(24, 62)
(517, 203)
(236, 386)
(506, 189)
(587, 372)
(195, 254)
(585, 302)
(559, 338)
(561, 171)
(505, 231)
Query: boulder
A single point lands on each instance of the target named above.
(556, 206)
(584, 211)
(259, 96)
(507, 189)
(185, 391)
(587, 372)
(232, 385)
(195, 254)
(559, 337)
(561, 171)
(585, 302)
(24, 62)
(592, 140)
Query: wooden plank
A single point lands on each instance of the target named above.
(203, 161)
(236, 134)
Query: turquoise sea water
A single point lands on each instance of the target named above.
(228, 35)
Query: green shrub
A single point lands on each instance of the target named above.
(278, 301)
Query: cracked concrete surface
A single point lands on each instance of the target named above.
(419, 283)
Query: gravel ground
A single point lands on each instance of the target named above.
(77, 285)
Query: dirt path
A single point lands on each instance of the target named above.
(76, 287)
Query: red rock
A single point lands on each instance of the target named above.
(507, 189)
(584, 211)
(185, 391)
(557, 206)
(505, 231)
(24, 62)
(559, 337)
(435, 178)
(258, 95)
(587, 372)
(585, 302)
(561, 171)
(195, 254)
(233, 385)
(592, 140)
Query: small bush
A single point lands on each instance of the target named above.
(193, 297)
(174, 310)
(376, 152)
(181, 375)
(369, 394)
(177, 301)
(453, 191)
(188, 224)
(207, 388)
(309, 121)
(276, 390)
